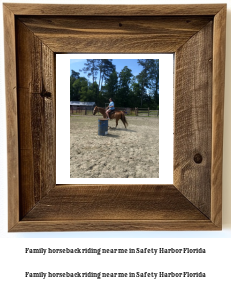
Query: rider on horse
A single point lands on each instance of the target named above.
(110, 108)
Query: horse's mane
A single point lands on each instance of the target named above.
(96, 107)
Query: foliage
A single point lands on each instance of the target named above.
(126, 89)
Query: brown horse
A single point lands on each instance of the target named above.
(117, 115)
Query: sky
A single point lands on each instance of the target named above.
(76, 64)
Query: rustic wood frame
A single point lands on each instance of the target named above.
(34, 33)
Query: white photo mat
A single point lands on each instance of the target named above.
(166, 80)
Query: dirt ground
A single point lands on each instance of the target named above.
(123, 153)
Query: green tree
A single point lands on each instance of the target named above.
(154, 85)
(106, 68)
(126, 90)
(91, 67)
(135, 93)
(74, 76)
(88, 92)
(149, 82)
(143, 78)
(122, 96)
(77, 86)
(111, 86)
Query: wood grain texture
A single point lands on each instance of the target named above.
(114, 10)
(116, 202)
(12, 121)
(117, 207)
(36, 104)
(114, 34)
(193, 120)
(219, 36)
(26, 169)
(194, 203)
(114, 225)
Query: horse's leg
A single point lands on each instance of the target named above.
(116, 122)
(122, 119)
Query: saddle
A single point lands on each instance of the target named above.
(111, 113)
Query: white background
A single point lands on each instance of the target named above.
(218, 243)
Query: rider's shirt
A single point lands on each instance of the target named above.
(111, 106)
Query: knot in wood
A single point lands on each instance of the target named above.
(45, 94)
(198, 158)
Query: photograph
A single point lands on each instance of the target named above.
(114, 118)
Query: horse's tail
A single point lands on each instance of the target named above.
(123, 118)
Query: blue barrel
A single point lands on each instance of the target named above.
(102, 127)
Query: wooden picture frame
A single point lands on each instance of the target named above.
(34, 34)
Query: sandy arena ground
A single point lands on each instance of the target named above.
(123, 153)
